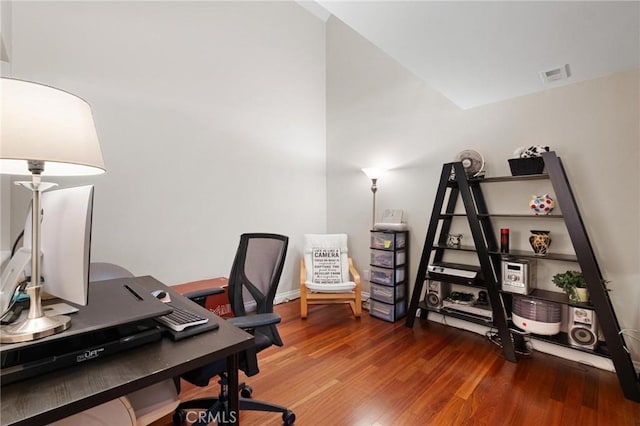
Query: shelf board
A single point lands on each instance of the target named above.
(461, 248)
(461, 282)
(562, 339)
(546, 295)
(505, 215)
(523, 216)
(461, 315)
(529, 255)
(521, 178)
(552, 296)
(514, 253)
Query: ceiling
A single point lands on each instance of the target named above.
(480, 52)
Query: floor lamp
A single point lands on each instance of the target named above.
(43, 132)
(374, 174)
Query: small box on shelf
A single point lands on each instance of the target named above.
(526, 166)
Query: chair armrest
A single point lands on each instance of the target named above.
(354, 273)
(253, 321)
(303, 272)
(203, 293)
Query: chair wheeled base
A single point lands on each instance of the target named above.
(217, 409)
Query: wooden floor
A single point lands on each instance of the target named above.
(335, 370)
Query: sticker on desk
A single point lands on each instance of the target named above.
(58, 309)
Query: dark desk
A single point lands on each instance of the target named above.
(59, 394)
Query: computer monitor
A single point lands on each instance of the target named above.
(65, 242)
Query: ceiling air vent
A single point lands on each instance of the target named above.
(555, 74)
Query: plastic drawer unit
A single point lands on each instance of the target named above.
(387, 259)
(386, 311)
(388, 241)
(388, 274)
(387, 294)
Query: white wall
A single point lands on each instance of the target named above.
(212, 122)
(379, 114)
(5, 181)
(211, 117)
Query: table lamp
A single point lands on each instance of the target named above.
(374, 174)
(43, 132)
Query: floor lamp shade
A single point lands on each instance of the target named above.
(44, 124)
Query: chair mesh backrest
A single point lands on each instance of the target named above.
(256, 271)
(315, 244)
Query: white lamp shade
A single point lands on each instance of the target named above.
(373, 172)
(41, 123)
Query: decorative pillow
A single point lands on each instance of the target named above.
(327, 267)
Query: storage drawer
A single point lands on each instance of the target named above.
(386, 311)
(388, 240)
(385, 294)
(385, 275)
(387, 259)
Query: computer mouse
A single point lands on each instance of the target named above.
(161, 295)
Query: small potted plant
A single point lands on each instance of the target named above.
(574, 284)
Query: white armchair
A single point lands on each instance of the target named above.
(327, 274)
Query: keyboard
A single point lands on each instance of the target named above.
(180, 318)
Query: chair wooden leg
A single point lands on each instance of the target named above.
(304, 308)
(358, 303)
(354, 308)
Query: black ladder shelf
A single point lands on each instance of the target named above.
(486, 248)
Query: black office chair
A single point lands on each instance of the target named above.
(254, 278)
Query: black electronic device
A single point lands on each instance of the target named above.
(468, 304)
(455, 273)
(23, 362)
(483, 298)
(110, 323)
(461, 297)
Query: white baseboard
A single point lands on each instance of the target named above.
(288, 296)
(541, 346)
(556, 350)
(538, 345)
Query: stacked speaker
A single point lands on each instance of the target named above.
(437, 291)
(583, 328)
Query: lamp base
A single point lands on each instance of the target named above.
(36, 325)
(34, 328)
